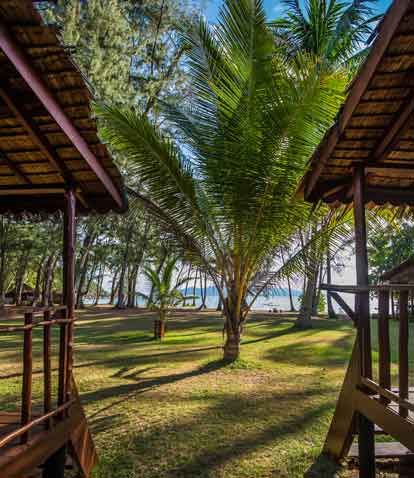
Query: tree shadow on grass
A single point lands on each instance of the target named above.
(141, 385)
(324, 353)
(228, 431)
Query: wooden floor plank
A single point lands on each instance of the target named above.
(385, 450)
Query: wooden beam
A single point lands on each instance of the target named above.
(19, 59)
(387, 30)
(401, 428)
(39, 138)
(390, 169)
(35, 134)
(361, 265)
(401, 124)
(344, 306)
(69, 238)
(13, 167)
(10, 191)
(393, 195)
(384, 352)
(341, 431)
(366, 441)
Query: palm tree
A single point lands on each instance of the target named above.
(334, 31)
(223, 181)
(164, 295)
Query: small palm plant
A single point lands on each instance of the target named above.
(166, 294)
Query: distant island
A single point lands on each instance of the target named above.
(212, 292)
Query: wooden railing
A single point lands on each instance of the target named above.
(47, 319)
(389, 393)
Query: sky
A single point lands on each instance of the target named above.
(273, 8)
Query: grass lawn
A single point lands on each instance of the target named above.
(174, 410)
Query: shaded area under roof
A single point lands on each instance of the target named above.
(375, 126)
(48, 140)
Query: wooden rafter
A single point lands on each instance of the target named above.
(39, 138)
(35, 134)
(359, 87)
(14, 167)
(402, 123)
(22, 63)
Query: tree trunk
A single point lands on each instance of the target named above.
(317, 292)
(48, 280)
(331, 311)
(20, 275)
(292, 305)
(121, 290)
(4, 229)
(203, 292)
(114, 287)
(82, 265)
(39, 274)
(82, 280)
(99, 284)
(89, 283)
(305, 315)
(132, 283)
(186, 285)
(220, 303)
(194, 287)
(231, 350)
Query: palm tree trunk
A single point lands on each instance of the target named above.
(231, 349)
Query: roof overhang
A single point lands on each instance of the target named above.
(48, 139)
(375, 126)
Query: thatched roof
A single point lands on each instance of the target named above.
(375, 127)
(47, 137)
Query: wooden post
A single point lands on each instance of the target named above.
(403, 351)
(69, 240)
(366, 441)
(27, 374)
(384, 371)
(47, 368)
(55, 465)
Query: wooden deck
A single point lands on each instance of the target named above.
(23, 460)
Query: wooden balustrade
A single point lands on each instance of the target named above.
(47, 367)
(50, 318)
(384, 387)
(26, 413)
(403, 351)
(384, 342)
